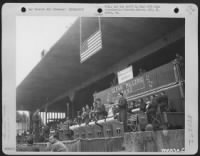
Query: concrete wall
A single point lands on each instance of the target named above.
(159, 141)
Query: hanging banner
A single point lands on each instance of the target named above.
(125, 75)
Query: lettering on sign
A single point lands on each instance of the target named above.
(125, 75)
(155, 78)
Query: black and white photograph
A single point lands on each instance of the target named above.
(100, 84)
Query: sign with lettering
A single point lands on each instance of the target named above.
(157, 77)
(125, 75)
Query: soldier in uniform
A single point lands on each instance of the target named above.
(93, 111)
(87, 116)
(36, 122)
(122, 105)
(55, 145)
(141, 72)
(152, 108)
(163, 102)
(163, 106)
(83, 115)
(101, 110)
(46, 131)
(79, 117)
(142, 105)
(180, 60)
(66, 129)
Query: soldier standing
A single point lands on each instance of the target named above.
(36, 120)
(101, 110)
(122, 104)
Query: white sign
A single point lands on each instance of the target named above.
(125, 74)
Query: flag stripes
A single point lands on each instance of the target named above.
(91, 46)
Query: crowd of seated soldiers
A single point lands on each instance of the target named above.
(153, 106)
(93, 113)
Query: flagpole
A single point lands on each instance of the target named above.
(99, 23)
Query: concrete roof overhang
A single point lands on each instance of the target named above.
(60, 69)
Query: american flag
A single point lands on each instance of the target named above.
(91, 46)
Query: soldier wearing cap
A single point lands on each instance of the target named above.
(36, 124)
(55, 145)
(101, 110)
(122, 105)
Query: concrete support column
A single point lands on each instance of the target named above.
(31, 122)
(71, 97)
(67, 115)
(45, 110)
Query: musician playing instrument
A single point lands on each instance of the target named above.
(122, 104)
(101, 110)
(92, 114)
